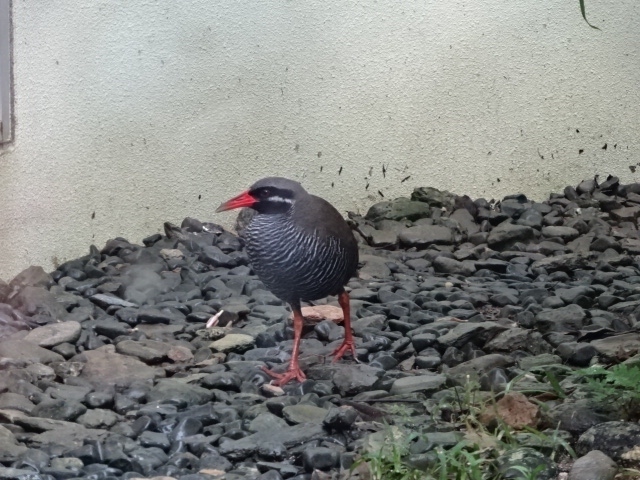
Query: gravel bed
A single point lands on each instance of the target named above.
(109, 370)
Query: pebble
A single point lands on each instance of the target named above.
(111, 368)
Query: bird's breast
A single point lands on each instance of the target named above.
(296, 264)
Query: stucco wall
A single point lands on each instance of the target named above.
(132, 113)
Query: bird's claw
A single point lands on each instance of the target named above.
(342, 349)
(280, 379)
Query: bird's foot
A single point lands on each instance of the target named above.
(347, 345)
(280, 379)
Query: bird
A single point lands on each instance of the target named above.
(302, 250)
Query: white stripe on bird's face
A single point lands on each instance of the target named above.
(280, 200)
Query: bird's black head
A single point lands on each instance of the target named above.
(270, 195)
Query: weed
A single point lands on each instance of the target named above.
(473, 458)
(618, 386)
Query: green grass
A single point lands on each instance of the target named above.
(388, 456)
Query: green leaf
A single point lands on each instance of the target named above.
(555, 384)
(584, 15)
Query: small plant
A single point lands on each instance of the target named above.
(387, 461)
(474, 457)
(583, 10)
(618, 386)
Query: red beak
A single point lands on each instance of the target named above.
(242, 200)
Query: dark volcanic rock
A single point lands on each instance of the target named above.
(398, 210)
(109, 370)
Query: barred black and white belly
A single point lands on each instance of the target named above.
(293, 264)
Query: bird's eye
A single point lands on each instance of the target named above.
(265, 193)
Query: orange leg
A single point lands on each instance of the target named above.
(347, 344)
(293, 372)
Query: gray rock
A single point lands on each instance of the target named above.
(289, 437)
(98, 418)
(566, 233)
(38, 301)
(233, 342)
(178, 390)
(574, 353)
(59, 410)
(565, 319)
(65, 436)
(105, 301)
(340, 418)
(465, 220)
(434, 197)
(595, 465)
(354, 379)
(451, 266)
(529, 363)
(618, 440)
(154, 439)
(104, 366)
(530, 218)
(54, 334)
(399, 209)
(10, 449)
(478, 366)
(15, 401)
(587, 186)
(373, 267)
(149, 351)
(421, 236)
(570, 295)
(625, 214)
(426, 384)
(25, 351)
(382, 238)
(576, 417)
(266, 421)
(320, 458)
(463, 333)
(507, 233)
(159, 315)
(517, 338)
(304, 413)
(612, 346)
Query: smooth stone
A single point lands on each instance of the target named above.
(23, 350)
(595, 465)
(59, 410)
(304, 413)
(171, 389)
(98, 418)
(463, 333)
(54, 334)
(319, 458)
(427, 384)
(399, 209)
(15, 401)
(148, 351)
(578, 416)
(289, 437)
(10, 449)
(233, 342)
(266, 421)
(424, 235)
(104, 366)
(507, 232)
(565, 319)
(354, 379)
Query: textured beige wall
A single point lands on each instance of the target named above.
(132, 113)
